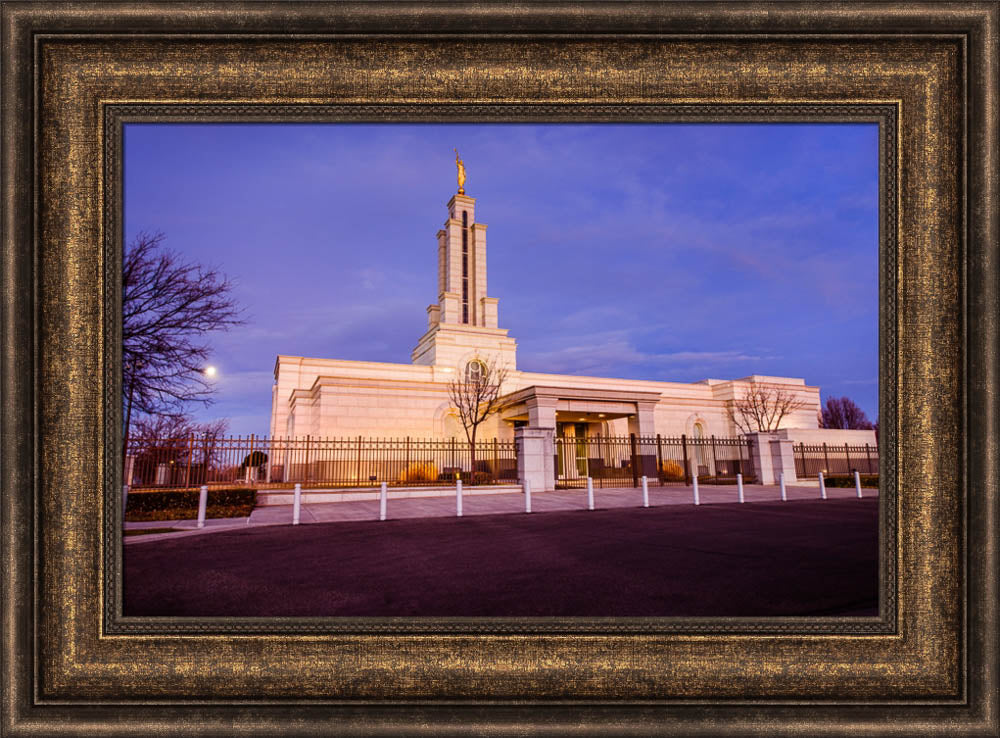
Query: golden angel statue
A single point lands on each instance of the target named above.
(461, 173)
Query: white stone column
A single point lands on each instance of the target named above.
(488, 308)
(451, 307)
(542, 412)
(762, 461)
(642, 424)
(536, 457)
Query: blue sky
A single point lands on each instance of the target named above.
(675, 252)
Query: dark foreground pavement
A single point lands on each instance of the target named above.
(756, 559)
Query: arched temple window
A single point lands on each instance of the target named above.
(475, 370)
(700, 453)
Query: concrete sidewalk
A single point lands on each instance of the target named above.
(493, 504)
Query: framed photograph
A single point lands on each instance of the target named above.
(120, 120)
(551, 375)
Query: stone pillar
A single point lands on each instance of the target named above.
(488, 309)
(642, 425)
(762, 460)
(536, 457)
(451, 307)
(542, 412)
(783, 459)
(773, 455)
(433, 315)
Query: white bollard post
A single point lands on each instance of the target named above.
(527, 495)
(590, 493)
(382, 496)
(458, 497)
(697, 501)
(297, 505)
(739, 486)
(857, 483)
(822, 487)
(202, 506)
(645, 492)
(781, 481)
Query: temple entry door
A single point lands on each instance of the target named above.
(573, 450)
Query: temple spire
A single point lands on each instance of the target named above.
(461, 173)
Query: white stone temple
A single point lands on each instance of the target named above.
(335, 398)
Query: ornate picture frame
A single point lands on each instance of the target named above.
(74, 74)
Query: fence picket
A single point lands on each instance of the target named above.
(813, 458)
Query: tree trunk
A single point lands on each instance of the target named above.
(128, 428)
(472, 455)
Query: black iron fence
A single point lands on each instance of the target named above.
(623, 460)
(611, 461)
(834, 459)
(315, 462)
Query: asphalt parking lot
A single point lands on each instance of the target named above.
(801, 558)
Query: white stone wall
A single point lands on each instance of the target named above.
(334, 398)
(452, 347)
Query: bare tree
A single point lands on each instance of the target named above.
(842, 412)
(175, 440)
(161, 428)
(762, 408)
(168, 307)
(476, 397)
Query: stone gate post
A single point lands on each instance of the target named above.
(536, 457)
(773, 455)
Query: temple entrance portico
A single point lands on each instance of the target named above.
(542, 414)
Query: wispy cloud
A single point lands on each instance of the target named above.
(614, 353)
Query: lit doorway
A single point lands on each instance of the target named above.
(572, 450)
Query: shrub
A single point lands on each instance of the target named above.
(420, 471)
(182, 504)
(672, 471)
(257, 458)
(867, 480)
(481, 477)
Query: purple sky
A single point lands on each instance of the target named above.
(675, 252)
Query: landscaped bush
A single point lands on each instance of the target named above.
(420, 471)
(672, 471)
(182, 504)
(481, 477)
(867, 480)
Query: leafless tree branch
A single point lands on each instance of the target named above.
(762, 408)
(168, 307)
(476, 397)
